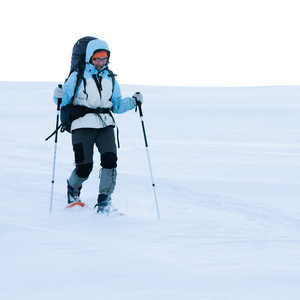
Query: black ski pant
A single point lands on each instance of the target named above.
(83, 141)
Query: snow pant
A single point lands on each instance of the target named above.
(83, 141)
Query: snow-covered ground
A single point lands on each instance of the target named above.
(226, 164)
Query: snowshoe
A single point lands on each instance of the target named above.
(73, 195)
(104, 204)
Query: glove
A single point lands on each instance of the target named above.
(58, 92)
(137, 97)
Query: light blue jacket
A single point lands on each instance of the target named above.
(119, 104)
(91, 97)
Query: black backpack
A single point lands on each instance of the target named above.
(68, 113)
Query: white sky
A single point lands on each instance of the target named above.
(165, 42)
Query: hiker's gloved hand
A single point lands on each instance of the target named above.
(137, 97)
(59, 92)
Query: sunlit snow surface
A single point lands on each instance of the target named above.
(226, 164)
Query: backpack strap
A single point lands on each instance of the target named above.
(98, 80)
(99, 86)
(113, 79)
(66, 111)
(54, 132)
(80, 78)
(112, 75)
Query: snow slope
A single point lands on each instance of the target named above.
(226, 165)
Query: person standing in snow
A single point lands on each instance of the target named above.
(96, 92)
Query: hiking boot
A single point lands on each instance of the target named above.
(73, 196)
(104, 203)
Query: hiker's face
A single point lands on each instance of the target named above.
(99, 62)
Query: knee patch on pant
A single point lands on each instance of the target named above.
(83, 171)
(79, 154)
(109, 160)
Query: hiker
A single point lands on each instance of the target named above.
(97, 96)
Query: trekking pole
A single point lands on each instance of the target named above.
(55, 148)
(139, 105)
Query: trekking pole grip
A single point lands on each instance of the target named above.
(59, 99)
(139, 105)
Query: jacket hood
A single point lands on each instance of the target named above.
(93, 46)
